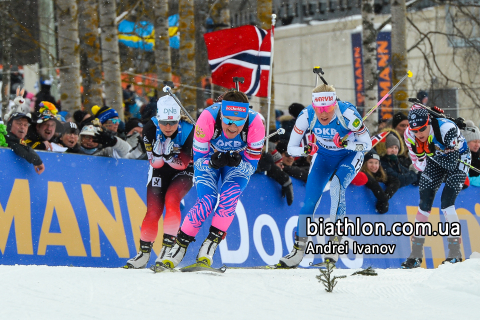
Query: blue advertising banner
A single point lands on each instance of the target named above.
(87, 211)
(384, 49)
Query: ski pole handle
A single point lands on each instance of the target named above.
(409, 75)
(168, 90)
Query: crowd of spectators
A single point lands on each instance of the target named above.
(37, 123)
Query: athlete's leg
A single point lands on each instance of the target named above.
(180, 184)
(155, 204)
(234, 181)
(452, 188)
(430, 181)
(178, 189)
(321, 169)
(206, 183)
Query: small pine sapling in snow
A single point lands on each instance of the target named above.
(326, 278)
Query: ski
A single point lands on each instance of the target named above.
(203, 267)
(325, 264)
(160, 267)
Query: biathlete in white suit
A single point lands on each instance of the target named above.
(227, 145)
(329, 120)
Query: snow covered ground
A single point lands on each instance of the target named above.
(42, 292)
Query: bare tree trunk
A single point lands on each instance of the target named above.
(48, 43)
(162, 42)
(369, 52)
(90, 59)
(219, 11)
(111, 56)
(69, 58)
(399, 53)
(6, 35)
(187, 55)
(264, 18)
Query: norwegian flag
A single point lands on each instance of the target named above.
(240, 52)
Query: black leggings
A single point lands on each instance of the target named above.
(432, 178)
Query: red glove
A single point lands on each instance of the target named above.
(360, 179)
(311, 149)
(338, 141)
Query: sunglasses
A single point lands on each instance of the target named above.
(238, 123)
(114, 121)
(166, 123)
(421, 129)
(325, 109)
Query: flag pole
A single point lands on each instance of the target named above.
(270, 74)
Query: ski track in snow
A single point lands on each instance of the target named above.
(42, 292)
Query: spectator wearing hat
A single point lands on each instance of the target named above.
(44, 95)
(41, 135)
(272, 164)
(375, 174)
(423, 97)
(400, 124)
(69, 137)
(134, 130)
(81, 118)
(99, 142)
(287, 121)
(17, 129)
(392, 165)
(472, 136)
(403, 156)
(294, 168)
(108, 117)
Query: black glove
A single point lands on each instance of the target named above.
(382, 206)
(218, 160)
(233, 159)
(287, 191)
(105, 138)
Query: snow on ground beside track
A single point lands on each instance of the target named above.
(42, 292)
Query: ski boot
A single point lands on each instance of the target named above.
(293, 259)
(141, 259)
(207, 250)
(167, 244)
(415, 258)
(332, 258)
(454, 253)
(177, 252)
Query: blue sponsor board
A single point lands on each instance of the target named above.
(87, 211)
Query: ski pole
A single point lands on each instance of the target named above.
(168, 90)
(409, 75)
(279, 131)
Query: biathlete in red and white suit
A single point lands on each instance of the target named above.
(168, 141)
(227, 145)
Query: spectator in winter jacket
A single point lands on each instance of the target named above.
(17, 128)
(43, 133)
(98, 142)
(400, 124)
(472, 136)
(287, 122)
(44, 95)
(375, 174)
(267, 163)
(294, 168)
(69, 137)
(392, 165)
(108, 117)
(134, 130)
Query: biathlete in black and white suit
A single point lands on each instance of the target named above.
(436, 146)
